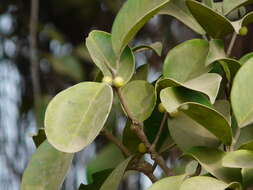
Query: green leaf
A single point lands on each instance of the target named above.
(230, 66)
(238, 159)
(140, 99)
(229, 5)
(156, 47)
(103, 160)
(245, 139)
(39, 138)
(190, 65)
(47, 168)
(216, 51)
(241, 93)
(246, 58)
(100, 48)
(208, 3)
(211, 160)
(247, 177)
(187, 133)
(223, 107)
(76, 115)
(173, 182)
(173, 97)
(197, 84)
(114, 179)
(130, 19)
(151, 127)
(209, 118)
(130, 139)
(179, 10)
(98, 179)
(215, 24)
(141, 73)
(207, 183)
(68, 66)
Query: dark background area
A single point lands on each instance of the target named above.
(64, 61)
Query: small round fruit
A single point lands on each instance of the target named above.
(161, 108)
(107, 79)
(142, 148)
(174, 113)
(118, 82)
(243, 31)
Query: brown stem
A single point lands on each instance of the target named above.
(140, 165)
(137, 128)
(143, 167)
(117, 142)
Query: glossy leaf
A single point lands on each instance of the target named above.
(103, 160)
(211, 160)
(241, 93)
(187, 133)
(207, 183)
(46, 169)
(229, 5)
(130, 19)
(212, 120)
(98, 179)
(130, 139)
(247, 177)
(215, 24)
(173, 97)
(141, 73)
(246, 58)
(190, 65)
(100, 48)
(245, 139)
(223, 107)
(140, 98)
(39, 138)
(208, 3)
(238, 159)
(173, 182)
(179, 10)
(114, 179)
(156, 47)
(230, 67)
(207, 84)
(76, 115)
(216, 51)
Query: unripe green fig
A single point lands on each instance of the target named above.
(107, 79)
(243, 31)
(118, 82)
(161, 108)
(142, 148)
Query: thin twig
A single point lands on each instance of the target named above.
(117, 142)
(143, 167)
(34, 60)
(231, 44)
(165, 117)
(138, 129)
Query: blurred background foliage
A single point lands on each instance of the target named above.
(64, 61)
